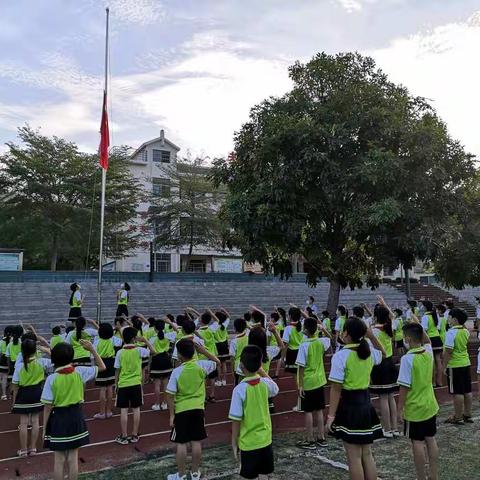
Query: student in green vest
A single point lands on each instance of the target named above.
(417, 405)
(442, 321)
(251, 422)
(208, 336)
(65, 430)
(351, 417)
(311, 382)
(27, 385)
(186, 403)
(128, 381)
(342, 314)
(75, 302)
(4, 361)
(278, 317)
(57, 336)
(82, 332)
(161, 365)
(105, 345)
(237, 344)
(13, 349)
(327, 322)
(219, 327)
(123, 296)
(397, 326)
(430, 323)
(457, 361)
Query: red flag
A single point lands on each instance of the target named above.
(104, 135)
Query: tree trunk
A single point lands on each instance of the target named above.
(333, 296)
(54, 257)
(190, 248)
(407, 282)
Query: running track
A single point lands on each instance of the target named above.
(103, 452)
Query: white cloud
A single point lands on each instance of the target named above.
(351, 5)
(141, 12)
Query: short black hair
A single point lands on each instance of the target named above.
(188, 326)
(56, 330)
(310, 325)
(62, 354)
(358, 311)
(105, 331)
(247, 316)
(441, 308)
(414, 331)
(185, 348)
(240, 325)
(326, 313)
(311, 298)
(206, 318)
(251, 358)
(128, 334)
(258, 317)
(295, 314)
(398, 311)
(459, 315)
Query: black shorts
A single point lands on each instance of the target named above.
(420, 430)
(130, 397)
(437, 345)
(399, 343)
(459, 380)
(314, 400)
(256, 462)
(213, 375)
(189, 426)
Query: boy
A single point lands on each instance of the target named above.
(416, 402)
(238, 344)
(311, 381)
(128, 381)
(457, 361)
(251, 422)
(186, 404)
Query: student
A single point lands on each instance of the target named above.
(238, 343)
(397, 326)
(138, 322)
(128, 382)
(208, 337)
(4, 361)
(119, 324)
(27, 385)
(150, 331)
(327, 322)
(417, 404)
(188, 332)
(352, 417)
(105, 346)
(311, 381)
(65, 430)
(430, 324)
(442, 322)
(219, 327)
(312, 305)
(161, 365)
(342, 314)
(57, 336)
(13, 349)
(412, 310)
(123, 296)
(251, 422)
(282, 323)
(457, 361)
(384, 376)
(75, 302)
(186, 403)
(81, 355)
(292, 338)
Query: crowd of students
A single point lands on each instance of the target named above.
(187, 358)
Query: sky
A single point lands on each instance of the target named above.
(196, 67)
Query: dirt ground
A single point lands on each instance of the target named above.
(459, 458)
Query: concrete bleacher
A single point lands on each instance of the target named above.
(467, 294)
(46, 304)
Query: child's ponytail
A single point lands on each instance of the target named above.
(28, 349)
(356, 329)
(363, 350)
(431, 311)
(80, 323)
(298, 326)
(221, 319)
(382, 317)
(160, 327)
(17, 332)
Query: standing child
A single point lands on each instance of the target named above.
(430, 324)
(311, 381)
(398, 331)
(342, 314)
(75, 302)
(238, 343)
(251, 422)
(442, 322)
(27, 384)
(186, 402)
(105, 345)
(458, 367)
(208, 337)
(57, 336)
(81, 356)
(13, 350)
(4, 361)
(352, 417)
(416, 402)
(128, 381)
(221, 338)
(123, 296)
(161, 365)
(327, 322)
(65, 430)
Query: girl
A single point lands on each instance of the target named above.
(57, 336)
(75, 302)
(398, 331)
(280, 325)
(4, 361)
(105, 345)
(384, 376)
(161, 365)
(13, 349)
(442, 321)
(326, 321)
(238, 343)
(123, 297)
(430, 324)
(65, 430)
(221, 338)
(208, 337)
(412, 310)
(342, 314)
(81, 356)
(27, 384)
(352, 417)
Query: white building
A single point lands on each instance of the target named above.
(151, 165)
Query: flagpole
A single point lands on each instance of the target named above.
(104, 182)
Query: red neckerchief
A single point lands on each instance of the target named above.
(66, 370)
(254, 381)
(129, 347)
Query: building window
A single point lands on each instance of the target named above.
(162, 226)
(163, 262)
(161, 156)
(197, 266)
(144, 155)
(161, 187)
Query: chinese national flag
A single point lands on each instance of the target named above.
(104, 135)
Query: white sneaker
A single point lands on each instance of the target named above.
(156, 407)
(176, 476)
(396, 433)
(296, 408)
(163, 406)
(224, 383)
(196, 475)
(387, 434)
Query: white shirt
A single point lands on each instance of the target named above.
(195, 339)
(46, 364)
(91, 332)
(86, 374)
(206, 365)
(143, 352)
(303, 350)
(406, 366)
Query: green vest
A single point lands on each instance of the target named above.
(161, 346)
(15, 350)
(357, 371)
(432, 330)
(130, 367)
(242, 342)
(190, 388)
(78, 350)
(56, 339)
(75, 302)
(221, 335)
(32, 375)
(314, 371)
(295, 339)
(327, 323)
(442, 322)
(105, 348)
(209, 339)
(386, 342)
(122, 301)
(459, 352)
(67, 388)
(399, 332)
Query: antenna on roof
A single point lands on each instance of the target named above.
(162, 137)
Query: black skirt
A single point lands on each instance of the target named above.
(223, 353)
(82, 362)
(107, 377)
(11, 369)
(122, 310)
(66, 429)
(384, 377)
(290, 359)
(74, 313)
(437, 344)
(3, 364)
(161, 365)
(356, 421)
(28, 400)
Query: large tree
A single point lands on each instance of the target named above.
(50, 202)
(335, 170)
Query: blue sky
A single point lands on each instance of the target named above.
(196, 67)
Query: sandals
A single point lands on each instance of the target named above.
(453, 420)
(31, 452)
(22, 453)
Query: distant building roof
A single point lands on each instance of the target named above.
(155, 140)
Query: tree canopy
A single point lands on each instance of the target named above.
(348, 170)
(50, 195)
